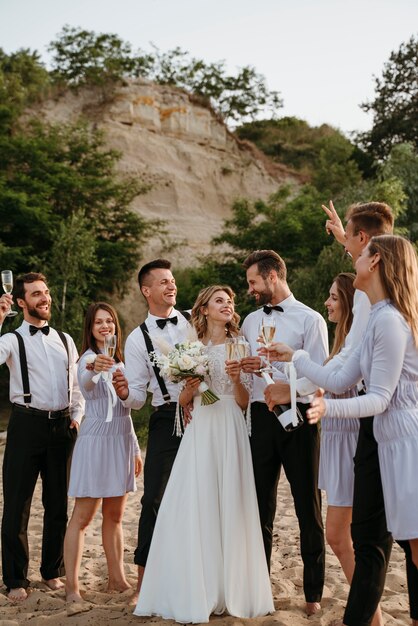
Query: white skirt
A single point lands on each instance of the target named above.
(207, 553)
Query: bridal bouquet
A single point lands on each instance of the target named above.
(187, 359)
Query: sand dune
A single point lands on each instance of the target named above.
(48, 608)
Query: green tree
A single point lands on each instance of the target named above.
(402, 165)
(83, 57)
(321, 154)
(235, 97)
(395, 106)
(63, 207)
(23, 79)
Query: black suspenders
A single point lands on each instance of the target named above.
(150, 348)
(27, 396)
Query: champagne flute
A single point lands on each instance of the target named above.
(7, 282)
(267, 332)
(242, 347)
(110, 345)
(230, 344)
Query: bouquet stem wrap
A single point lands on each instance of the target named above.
(208, 397)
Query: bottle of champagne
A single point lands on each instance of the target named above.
(280, 410)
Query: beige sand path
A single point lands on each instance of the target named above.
(48, 608)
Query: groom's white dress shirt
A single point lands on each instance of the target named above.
(47, 368)
(138, 367)
(298, 325)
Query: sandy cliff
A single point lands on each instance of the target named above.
(195, 168)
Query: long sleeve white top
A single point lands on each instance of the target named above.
(361, 313)
(298, 326)
(386, 359)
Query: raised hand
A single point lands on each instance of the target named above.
(277, 351)
(6, 302)
(233, 369)
(333, 224)
(120, 384)
(251, 364)
(279, 393)
(317, 409)
(103, 363)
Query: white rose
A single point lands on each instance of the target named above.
(186, 362)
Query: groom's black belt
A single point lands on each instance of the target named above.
(168, 406)
(51, 415)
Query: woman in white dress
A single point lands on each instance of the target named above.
(207, 552)
(339, 438)
(387, 360)
(106, 456)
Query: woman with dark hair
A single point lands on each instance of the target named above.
(207, 552)
(106, 457)
(339, 437)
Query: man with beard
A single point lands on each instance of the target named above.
(272, 447)
(47, 408)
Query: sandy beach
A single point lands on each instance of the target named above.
(48, 608)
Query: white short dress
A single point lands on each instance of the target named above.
(103, 462)
(336, 459)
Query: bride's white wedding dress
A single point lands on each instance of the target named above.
(207, 553)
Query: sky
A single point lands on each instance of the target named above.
(321, 55)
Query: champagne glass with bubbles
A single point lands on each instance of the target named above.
(109, 350)
(7, 282)
(267, 332)
(230, 343)
(110, 345)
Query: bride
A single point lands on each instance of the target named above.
(207, 553)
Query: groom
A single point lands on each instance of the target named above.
(271, 446)
(158, 286)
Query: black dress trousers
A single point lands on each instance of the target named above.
(35, 446)
(298, 452)
(372, 541)
(162, 448)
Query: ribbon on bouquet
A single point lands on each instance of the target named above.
(111, 393)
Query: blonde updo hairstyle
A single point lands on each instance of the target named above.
(199, 320)
(398, 271)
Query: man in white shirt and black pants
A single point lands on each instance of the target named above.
(158, 286)
(271, 446)
(47, 408)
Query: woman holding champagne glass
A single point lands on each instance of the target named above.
(106, 456)
(207, 552)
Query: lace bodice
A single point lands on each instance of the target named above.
(218, 380)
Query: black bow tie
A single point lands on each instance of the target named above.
(268, 309)
(163, 321)
(34, 329)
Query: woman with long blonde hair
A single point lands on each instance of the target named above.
(387, 360)
(207, 552)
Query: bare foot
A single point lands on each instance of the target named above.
(133, 600)
(74, 597)
(119, 587)
(54, 583)
(311, 608)
(18, 594)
